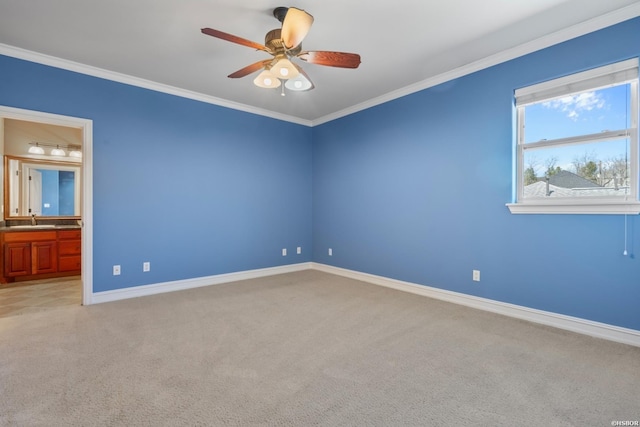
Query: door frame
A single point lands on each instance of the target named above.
(86, 126)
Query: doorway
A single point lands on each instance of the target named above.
(85, 127)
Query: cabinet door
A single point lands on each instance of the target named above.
(69, 247)
(44, 257)
(17, 259)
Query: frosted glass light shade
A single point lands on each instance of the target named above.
(75, 153)
(285, 69)
(36, 150)
(299, 83)
(267, 80)
(58, 152)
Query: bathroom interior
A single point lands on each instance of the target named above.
(41, 227)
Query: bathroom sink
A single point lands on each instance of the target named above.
(35, 227)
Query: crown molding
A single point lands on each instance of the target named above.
(586, 27)
(89, 70)
(563, 35)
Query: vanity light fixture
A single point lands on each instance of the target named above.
(58, 151)
(36, 149)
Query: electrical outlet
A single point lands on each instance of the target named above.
(299, 250)
(330, 252)
(146, 266)
(116, 270)
(284, 252)
(476, 275)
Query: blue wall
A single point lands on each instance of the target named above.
(195, 189)
(415, 189)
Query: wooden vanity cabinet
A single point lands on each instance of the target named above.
(41, 254)
(29, 253)
(69, 250)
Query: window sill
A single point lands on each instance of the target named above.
(581, 207)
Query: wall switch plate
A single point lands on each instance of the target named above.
(476, 275)
(116, 270)
(146, 266)
(299, 250)
(284, 252)
(330, 252)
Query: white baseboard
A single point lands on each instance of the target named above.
(180, 285)
(574, 324)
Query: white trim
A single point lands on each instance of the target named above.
(180, 285)
(605, 76)
(569, 323)
(624, 204)
(87, 181)
(574, 324)
(89, 70)
(583, 207)
(563, 35)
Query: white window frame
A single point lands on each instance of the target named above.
(598, 78)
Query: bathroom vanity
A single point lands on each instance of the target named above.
(41, 236)
(34, 252)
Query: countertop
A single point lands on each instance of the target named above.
(39, 227)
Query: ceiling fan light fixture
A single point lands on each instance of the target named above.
(299, 84)
(267, 80)
(285, 69)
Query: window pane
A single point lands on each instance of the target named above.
(582, 114)
(580, 170)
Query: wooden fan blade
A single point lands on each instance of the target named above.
(249, 69)
(234, 39)
(295, 27)
(331, 59)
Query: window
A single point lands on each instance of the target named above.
(577, 143)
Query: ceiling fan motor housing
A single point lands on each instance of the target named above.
(280, 13)
(273, 41)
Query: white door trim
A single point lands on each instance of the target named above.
(86, 126)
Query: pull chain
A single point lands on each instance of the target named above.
(625, 236)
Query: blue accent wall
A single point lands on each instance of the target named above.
(415, 189)
(195, 189)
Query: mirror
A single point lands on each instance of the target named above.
(42, 187)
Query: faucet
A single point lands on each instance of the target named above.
(33, 220)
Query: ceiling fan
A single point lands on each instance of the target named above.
(285, 44)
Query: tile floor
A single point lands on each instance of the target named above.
(39, 295)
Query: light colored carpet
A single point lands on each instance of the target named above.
(305, 349)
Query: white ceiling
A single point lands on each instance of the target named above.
(405, 45)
